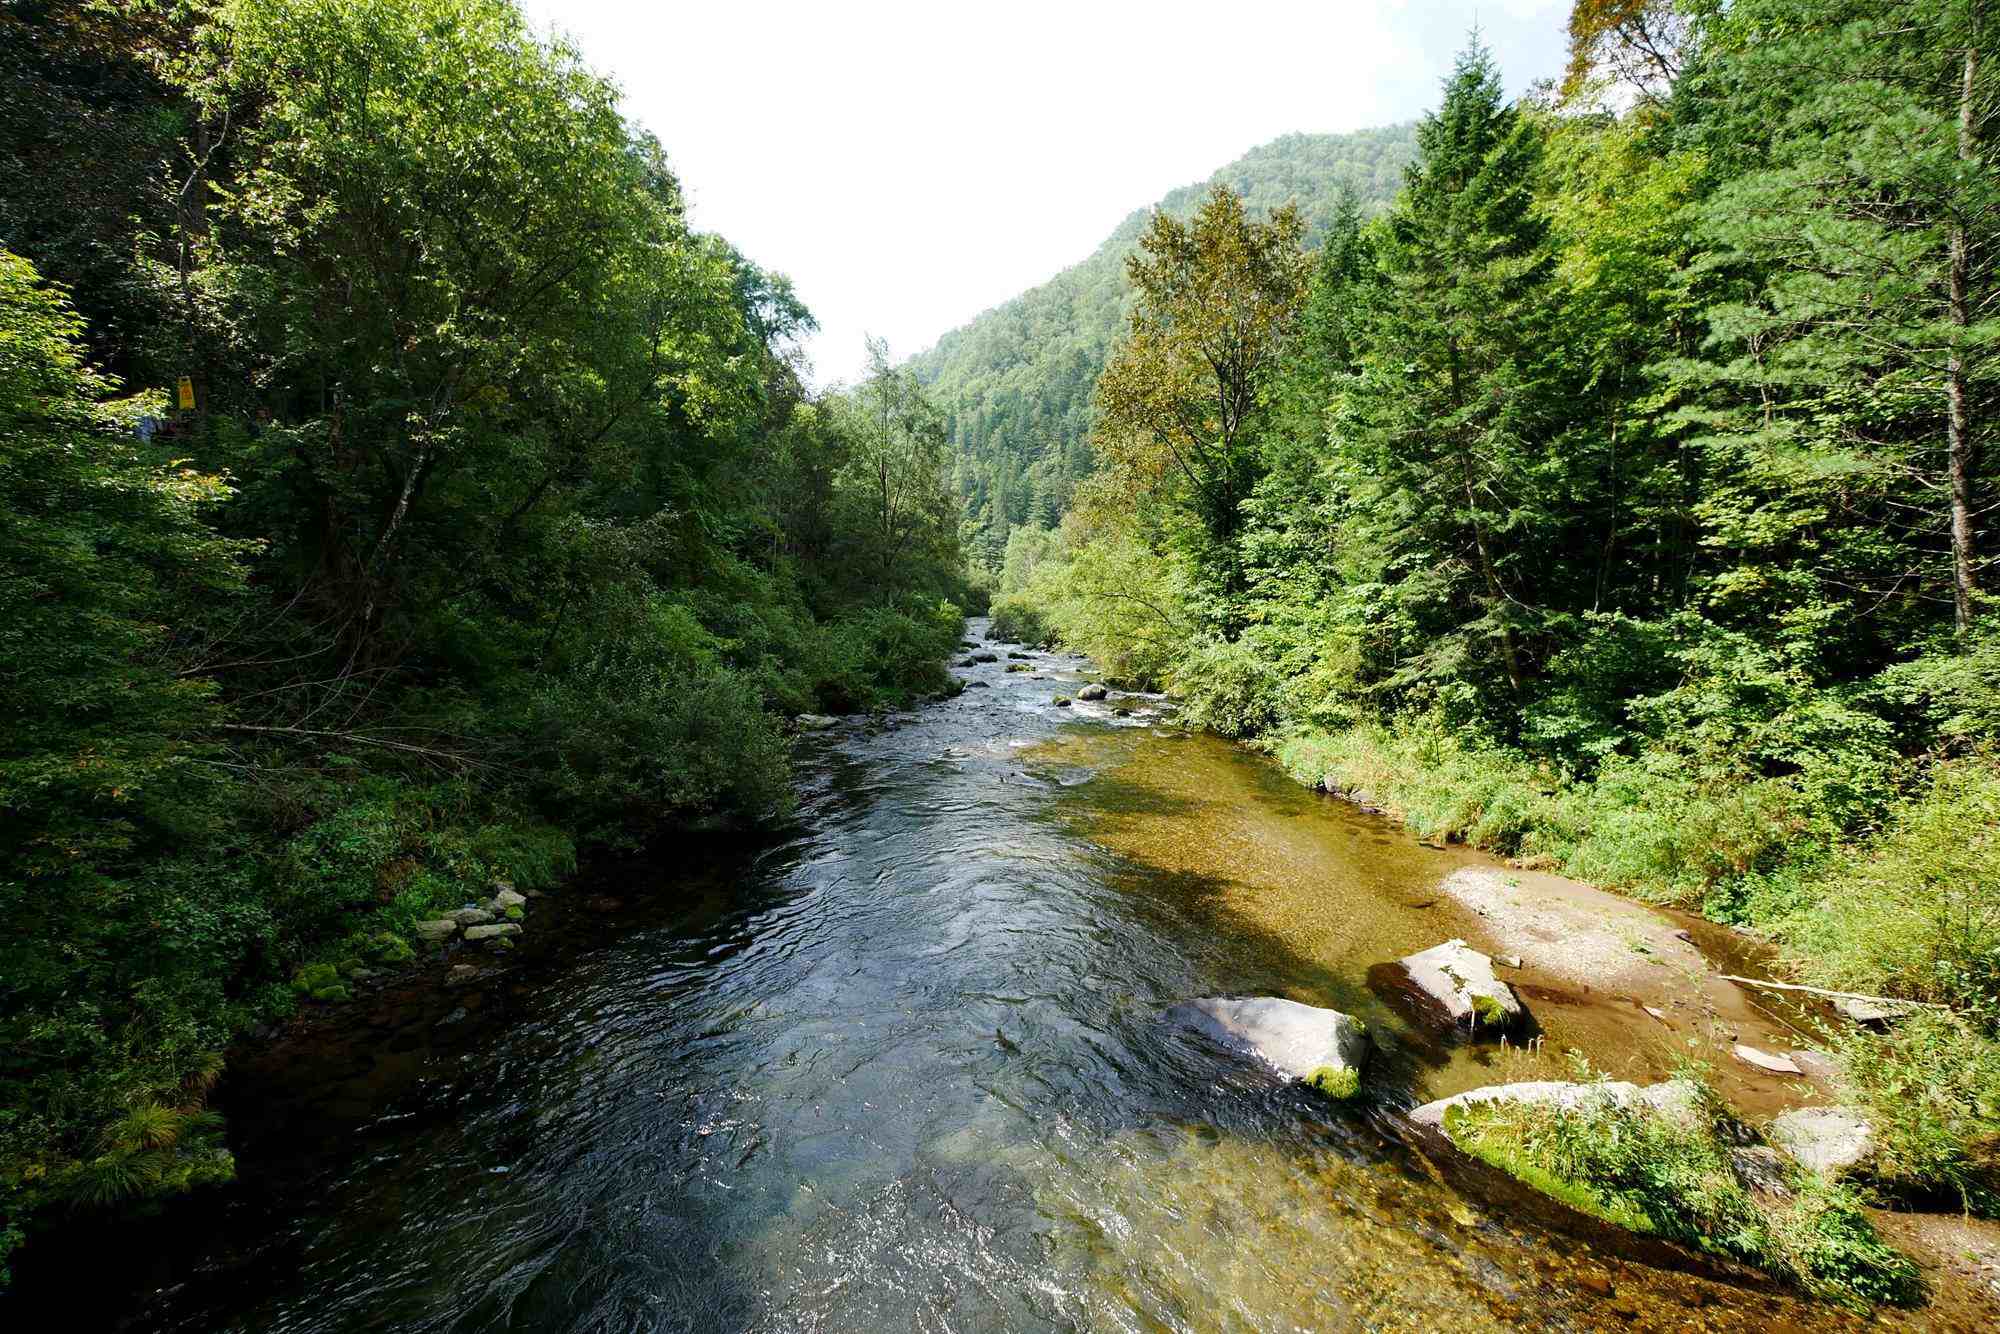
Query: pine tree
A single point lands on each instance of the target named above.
(1868, 345)
(1447, 433)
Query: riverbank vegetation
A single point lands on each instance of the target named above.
(1673, 1176)
(396, 495)
(1615, 502)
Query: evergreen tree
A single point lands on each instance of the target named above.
(1868, 344)
(1448, 435)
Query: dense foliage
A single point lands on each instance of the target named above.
(1673, 1176)
(1616, 501)
(501, 524)
(1016, 382)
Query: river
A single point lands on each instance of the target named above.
(905, 1069)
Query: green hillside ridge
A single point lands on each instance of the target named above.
(1016, 381)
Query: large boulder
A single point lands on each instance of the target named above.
(437, 930)
(1325, 1048)
(497, 931)
(1458, 981)
(1832, 1141)
(1674, 1098)
(1092, 691)
(470, 916)
(509, 898)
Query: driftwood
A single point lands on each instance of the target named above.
(1835, 995)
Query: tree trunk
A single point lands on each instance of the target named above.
(1964, 582)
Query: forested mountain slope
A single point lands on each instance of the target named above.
(1016, 381)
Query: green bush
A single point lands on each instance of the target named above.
(1017, 620)
(1917, 913)
(1226, 688)
(1931, 1088)
(1661, 1175)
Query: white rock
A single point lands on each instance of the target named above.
(495, 931)
(1457, 977)
(1831, 1141)
(1297, 1040)
(1764, 1060)
(813, 722)
(506, 899)
(1676, 1099)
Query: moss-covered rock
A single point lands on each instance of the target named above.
(321, 982)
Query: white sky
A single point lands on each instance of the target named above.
(912, 164)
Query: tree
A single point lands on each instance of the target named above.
(896, 469)
(1641, 45)
(112, 842)
(1449, 432)
(1868, 341)
(1188, 393)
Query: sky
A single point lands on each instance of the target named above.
(909, 165)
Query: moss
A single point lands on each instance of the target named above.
(389, 948)
(1488, 1010)
(322, 982)
(514, 912)
(1336, 1081)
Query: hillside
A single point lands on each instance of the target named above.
(1016, 381)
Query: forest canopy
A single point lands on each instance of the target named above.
(397, 496)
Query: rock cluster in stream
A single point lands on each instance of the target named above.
(497, 921)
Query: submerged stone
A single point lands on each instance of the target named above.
(1459, 980)
(1325, 1048)
(1764, 1060)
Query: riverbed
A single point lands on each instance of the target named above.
(906, 1067)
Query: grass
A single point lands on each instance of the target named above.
(1671, 1178)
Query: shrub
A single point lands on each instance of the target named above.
(1672, 1178)
(1018, 620)
(1918, 914)
(1227, 688)
(1932, 1092)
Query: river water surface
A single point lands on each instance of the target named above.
(906, 1070)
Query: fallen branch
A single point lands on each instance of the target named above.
(1836, 995)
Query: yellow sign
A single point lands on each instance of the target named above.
(187, 392)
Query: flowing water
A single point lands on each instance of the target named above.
(906, 1070)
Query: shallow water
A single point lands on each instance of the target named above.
(904, 1070)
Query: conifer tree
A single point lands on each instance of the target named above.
(1868, 345)
(1448, 432)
